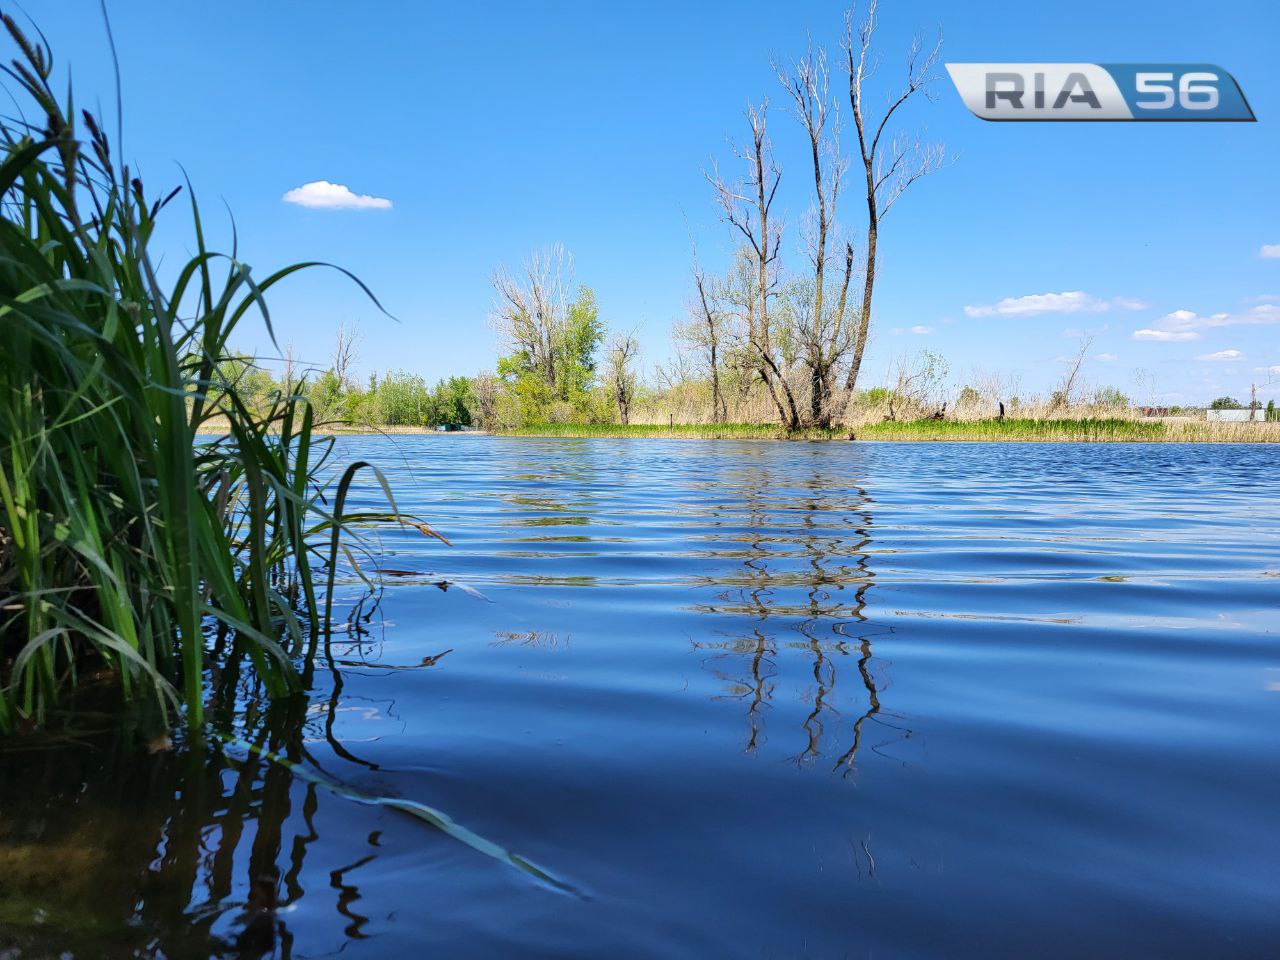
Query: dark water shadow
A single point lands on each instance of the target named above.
(118, 842)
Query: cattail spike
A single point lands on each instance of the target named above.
(20, 38)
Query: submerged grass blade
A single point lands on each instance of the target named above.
(436, 818)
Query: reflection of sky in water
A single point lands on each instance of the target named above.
(752, 699)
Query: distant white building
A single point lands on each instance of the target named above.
(1236, 416)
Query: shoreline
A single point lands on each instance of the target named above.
(1100, 430)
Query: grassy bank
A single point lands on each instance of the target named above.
(694, 431)
(1017, 429)
(1107, 430)
(1115, 430)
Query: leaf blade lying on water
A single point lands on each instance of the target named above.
(431, 815)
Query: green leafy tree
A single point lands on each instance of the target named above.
(451, 403)
(528, 389)
(874, 397)
(326, 396)
(403, 399)
(583, 334)
(554, 341)
(1111, 397)
(1226, 403)
(241, 374)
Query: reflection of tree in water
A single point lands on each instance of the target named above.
(756, 690)
(780, 557)
(108, 849)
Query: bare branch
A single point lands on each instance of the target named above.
(530, 309)
(910, 160)
(346, 351)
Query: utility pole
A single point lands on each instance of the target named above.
(1253, 401)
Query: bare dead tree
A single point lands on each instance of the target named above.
(1061, 399)
(917, 384)
(531, 308)
(679, 368)
(699, 340)
(620, 357)
(994, 388)
(735, 297)
(709, 334)
(747, 206)
(1145, 380)
(484, 390)
(289, 375)
(890, 166)
(346, 351)
(825, 336)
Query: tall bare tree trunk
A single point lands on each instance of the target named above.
(346, 351)
(868, 289)
(719, 409)
(620, 354)
(750, 215)
(818, 400)
(807, 83)
(888, 174)
(765, 255)
(289, 378)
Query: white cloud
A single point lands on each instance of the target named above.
(921, 329)
(1069, 301)
(1269, 251)
(1129, 303)
(1221, 355)
(1184, 325)
(1165, 336)
(321, 194)
(1107, 357)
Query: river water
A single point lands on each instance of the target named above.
(740, 699)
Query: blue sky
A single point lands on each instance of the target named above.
(496, 128)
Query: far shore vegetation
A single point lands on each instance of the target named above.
(1065, 430)
(1113, 429)
(921, 402)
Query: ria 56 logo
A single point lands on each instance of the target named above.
(1099, 91)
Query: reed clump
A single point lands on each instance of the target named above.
(130, 548)
(1013, 429)
(1113, 429)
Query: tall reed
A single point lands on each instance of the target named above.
(125, 541)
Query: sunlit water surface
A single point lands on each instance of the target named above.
(763, 700)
